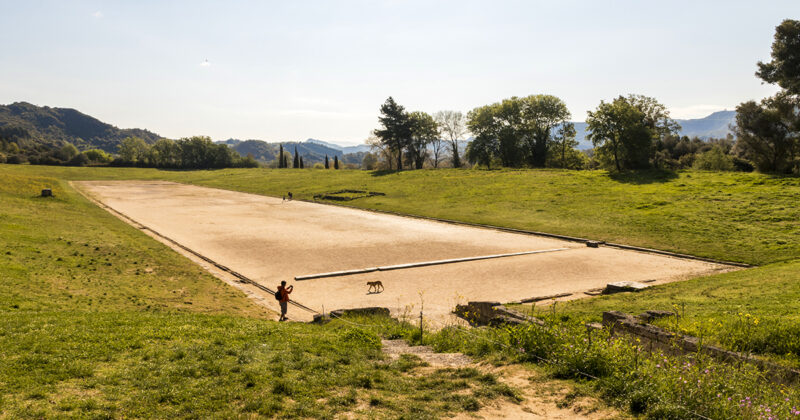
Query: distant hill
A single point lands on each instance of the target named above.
(714, 125)
(311, 150)
(55, 126)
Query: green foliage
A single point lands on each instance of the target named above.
(784, 69)
(424, 131)
(768, 132)
(518, 131)
(655, 384)
(626, 128)
(97, 156)
(396, 132)
(713, 160)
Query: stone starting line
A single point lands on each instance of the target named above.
(421, 264)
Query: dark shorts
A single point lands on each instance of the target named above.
(284, 306)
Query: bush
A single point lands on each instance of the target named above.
(16, 159)
(743, 165)
(713, 160)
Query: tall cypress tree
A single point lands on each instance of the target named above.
(296, 159)
(301, 163)
(280, 157)
(327, 165)
(336, 162)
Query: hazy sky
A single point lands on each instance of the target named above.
(289, 70)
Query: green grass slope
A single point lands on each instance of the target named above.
(97, 320)
(744, 217)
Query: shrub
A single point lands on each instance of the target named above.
(743, 165)
(713, 160)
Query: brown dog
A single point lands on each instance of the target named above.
(375, 286)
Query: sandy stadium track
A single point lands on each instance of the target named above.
(269, 240)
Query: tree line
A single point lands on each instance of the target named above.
(628, 132)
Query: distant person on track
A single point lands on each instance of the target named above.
(284, 298)
(290, 196)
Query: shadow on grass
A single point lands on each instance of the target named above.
(648, 176)
(384, 172)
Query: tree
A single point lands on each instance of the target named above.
(165, 153)
(369, 162)
(296, 163)
(327, 165)
(67, 152)
(335, 161)
(768, 132)
(540, 114)
(423, 131)
(627, 128)
(452, 125)
(521, 127)
(384, 154)
(133, 150)
(784, 69)
(396, 132)
(301, 163)
(280, 156)
(482, 150)
(564, 141)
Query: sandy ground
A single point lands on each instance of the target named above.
(269, 240)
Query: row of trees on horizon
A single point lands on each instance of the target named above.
(628, 132)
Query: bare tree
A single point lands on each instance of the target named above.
(452, 126)
(384, 152)
(438, 149)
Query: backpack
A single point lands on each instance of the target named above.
(278, 294)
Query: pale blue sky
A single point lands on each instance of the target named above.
(289, 70)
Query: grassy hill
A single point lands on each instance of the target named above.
(51, 308)
(97, 320)
(55, 126)
(743, 217)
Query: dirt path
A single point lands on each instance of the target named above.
(543, 398)
(269, 240)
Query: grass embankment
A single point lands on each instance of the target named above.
(751, 218)
(744, 217)
(99, 320)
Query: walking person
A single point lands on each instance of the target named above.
(284, 300)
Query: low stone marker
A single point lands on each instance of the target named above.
(624, 286)
(594, 244)
(47, 192)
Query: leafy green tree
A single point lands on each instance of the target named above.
(627, 128)
(301, 163)
(563, 142)
(335, 161)
(424, 130)
(713, 160)
(280, 156)
(768, 132)
(296, 163)
(784, 69)
(521, 128)
(327, 165)
(67, 152)
(396, 131)
(97, 156)
(453, 127)
(133, 150)
(482, 149)
(165, 153)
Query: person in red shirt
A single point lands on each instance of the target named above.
(284, 298)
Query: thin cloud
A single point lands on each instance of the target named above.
(98, 14)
